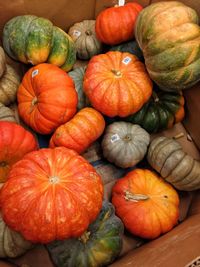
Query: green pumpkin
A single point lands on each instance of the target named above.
(99, 246)
(77, 76)
(161, 112)
(32, 39)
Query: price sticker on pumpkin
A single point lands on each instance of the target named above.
(76, 33)
(114, 138)
(121, 2)
(34, 73)
(126, 60)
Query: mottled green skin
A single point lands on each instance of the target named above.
(169, 36)
(102, 247)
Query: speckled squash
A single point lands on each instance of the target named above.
(125, 144)
(6, 114)
(178, 168)
(168, 34)
(98, 246)
(2, 61)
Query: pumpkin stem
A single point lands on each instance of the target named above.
(54, 179)
(88, 32)
(34, 101)
(155, 97)
(3, 164)
(178, 136)
(127, 137)
(135, 197)
(85, 237)
(117, 73)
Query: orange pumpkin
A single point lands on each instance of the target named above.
(51, 194)
(80, 132)
(117, 83)
(115, 25)
(147, 205)
(46, 98)
(15, 142)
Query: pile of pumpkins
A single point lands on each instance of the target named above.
(138, 61)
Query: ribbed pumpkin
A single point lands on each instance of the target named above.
(2, 61)
(125, 144)
(167, 157)
(84, 36)
(77, 76)
(168, 34)
(32, 39)
(98, 246)
(117, 84)
(15, 142)
(80, 132)
(46, 98)
(59, 192)
(146, 204)
(6, 114)
(115, 25)
(161, 112)
(12, 244)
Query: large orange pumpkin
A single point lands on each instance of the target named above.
(115, 25)
(51, 194)
(47, 98)
(147, 205)
(15, 142)
(80, 132)
(117, 83)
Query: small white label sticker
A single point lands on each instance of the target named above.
(114, 138)
(35, 72)
(121, 2)
(76, 33)
(126, 60)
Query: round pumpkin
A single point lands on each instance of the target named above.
(46, 98)
(6, 114)
(117, 84)
(146, 204)
(2, 61)
(161, 112)
(9, 83)
(77, 76)
(32, 39)
(115, 25)
(84, 36)
(12, 244)
(15, 142)
(80, 132)
(178, 168)
(98, 246)
(168, 34)
(59, 192)
(125, 144)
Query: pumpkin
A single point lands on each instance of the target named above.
(32, 39)
(58, 190)
(117, 84)
(46, 98)
(80, 132)
(77, 76)
(115, 25)
(168, 35)
(2, 61)
(15, 142)
(12, 244)
(178, 168)
(98, 246)
(125, 144)
(9, 84)
(161, 112)
(146, 204)
(6, 114)
(84, 36)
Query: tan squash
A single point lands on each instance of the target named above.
(2, 61)
(6, 114)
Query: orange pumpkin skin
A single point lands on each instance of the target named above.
(80, 132)
(15, 142)
(46, 98)
(115, 25)
(51, 194)
(117, 84)
(147, 205)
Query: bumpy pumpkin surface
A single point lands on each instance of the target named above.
(2, 61)
(178, 168)
(80, 132)
(125, 144)
(32, 39)
(6, 114)
(58, 190)
(146, 204)
(84, 36)
(161, 112)
(168, 34)
(46, 98)
(117, 83)
(98, 246)
(15, 142)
